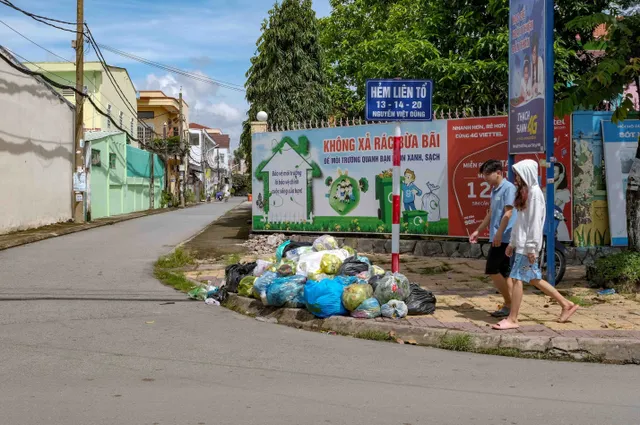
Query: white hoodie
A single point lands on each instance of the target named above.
(526, 236)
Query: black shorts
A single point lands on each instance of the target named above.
(497, 261)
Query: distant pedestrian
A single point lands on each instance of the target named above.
(500, 219)
(526, 244)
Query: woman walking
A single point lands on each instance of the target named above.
(526, 243)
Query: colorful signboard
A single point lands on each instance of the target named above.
(339, 179)
(399, 100)
(527, 90)
(620, 147)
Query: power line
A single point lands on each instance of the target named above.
(197, 77)
(43, 19)
(30, 40)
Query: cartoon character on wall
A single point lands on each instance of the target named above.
(410, 190)
(344, 192)
(562, 197)
(431, 202)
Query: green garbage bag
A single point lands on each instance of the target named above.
(198, 293)
(330, 264)
(319, 276)
(392, 287)
(351, 251)
(245, 287)
(325, 243)
(377, 271)
(355, 294)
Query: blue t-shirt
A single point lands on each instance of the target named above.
(501, 197)
(409, 195)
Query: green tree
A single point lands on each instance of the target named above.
(286, 77)
(463, 45)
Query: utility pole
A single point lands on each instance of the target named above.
(183, 194)
(78, 197)
(152, 188)
(218, 167)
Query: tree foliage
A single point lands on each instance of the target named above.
(286, 77)
(463, 45)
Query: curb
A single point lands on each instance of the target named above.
(101, 222)
(619, 351)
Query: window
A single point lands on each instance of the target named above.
(131, 127)
(176, 131)
(140, 133)
(108, 116)
(121, 118)
(112, 161)
(194, 139)
(68, 92)
(146, 115)
(222, 157)
(95, 158)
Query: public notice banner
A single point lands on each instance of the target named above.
(339, 179)
(620, 147)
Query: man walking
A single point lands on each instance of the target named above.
(500, 217)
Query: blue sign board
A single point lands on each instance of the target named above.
(399, 100)
(527, 71)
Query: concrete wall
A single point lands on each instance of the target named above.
(121, 185)
(36, 152)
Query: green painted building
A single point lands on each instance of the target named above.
(120, 176)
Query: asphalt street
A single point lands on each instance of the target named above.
(87, 336)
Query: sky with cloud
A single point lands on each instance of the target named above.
(216, 38)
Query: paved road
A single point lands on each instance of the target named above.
(117, 359)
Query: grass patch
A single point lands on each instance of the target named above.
(482, 278)
(175, 280)
(232, 259)
(178, 258)
(433, 270)
(374, 335)
(456, 342)
(582, 302)
(620, 271)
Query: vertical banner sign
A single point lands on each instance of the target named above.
(527, 89)
(620, 147)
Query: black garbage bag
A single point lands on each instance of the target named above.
(234, 273)
(374, 281)
(420, 301)
(221, 296)
(352, 267)
(294, 245)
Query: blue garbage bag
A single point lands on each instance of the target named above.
(280, 250)
(369, 309)
(324, 299)
(286, 291)
(262, 283)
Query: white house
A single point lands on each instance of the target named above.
(36, 149)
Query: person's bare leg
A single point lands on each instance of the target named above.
(568, 308)
(511, 322)
(502, 285)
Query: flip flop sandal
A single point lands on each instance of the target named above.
(503, 312)
(505, 326)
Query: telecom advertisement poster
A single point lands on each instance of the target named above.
(526, 76)
(339, 180)
(620, 147)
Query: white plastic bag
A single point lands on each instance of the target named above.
(310, 262)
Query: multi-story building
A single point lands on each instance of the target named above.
(118, 102)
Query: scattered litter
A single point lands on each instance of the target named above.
(211, 301)
(234, 273)
(394, 309)
(267, 319)
(151, 322)
(607, 292)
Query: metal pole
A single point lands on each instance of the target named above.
(183, 192)
(78, 205)
(549, 140)
(395, 226)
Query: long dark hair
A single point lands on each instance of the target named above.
(522, 194)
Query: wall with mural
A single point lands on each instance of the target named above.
(339, 179)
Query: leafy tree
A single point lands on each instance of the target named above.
(463, 45)
(286, 77)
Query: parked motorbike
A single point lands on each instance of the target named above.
(560, 249)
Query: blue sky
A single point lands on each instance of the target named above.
(213, 37)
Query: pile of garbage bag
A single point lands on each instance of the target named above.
(327, 280)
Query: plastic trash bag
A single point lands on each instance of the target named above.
(280, 250)
(364, 277)
(286, 268)
(294, 254)
(369, 309)
(261, 267)
(373, 281)
(351, 251)
(234, 273)
(363, 259)
(325, 243)
(330, 264)
(261, 284)
(377, 271)
(354, 295)
(296, 246)
(352, 266)
(319, 276)
(324, 299)
(394, 309)
(392, 287)
(286, 291)
(245, 287)
(420, 301)
(198, 293)
(310, 263)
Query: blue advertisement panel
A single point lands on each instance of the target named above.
(399, 100)
(527, 76)
(620, 146)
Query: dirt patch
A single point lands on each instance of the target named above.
(223, 237)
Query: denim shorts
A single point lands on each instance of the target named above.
(523, 270)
